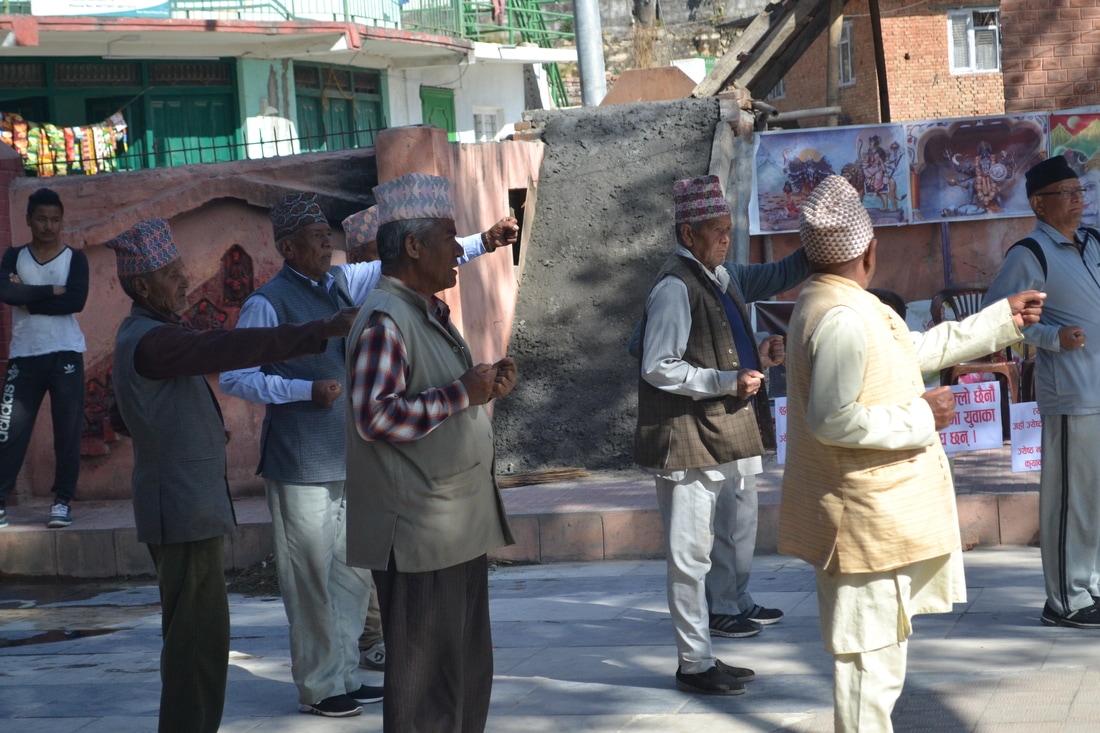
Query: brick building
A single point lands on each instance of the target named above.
(941, 61)
(956, 60)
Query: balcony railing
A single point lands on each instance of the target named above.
(508, 21)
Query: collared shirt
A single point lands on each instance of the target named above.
(668, 326)
(383, 409)
(256, 386)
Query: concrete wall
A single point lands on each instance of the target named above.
(214, 207)
(604, 226)
(496, 86)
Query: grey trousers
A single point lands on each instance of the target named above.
(735, 519)
(1069, 511)
(325, 599)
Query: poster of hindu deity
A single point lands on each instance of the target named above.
(973, 168)
(790, 163)
(1076, 135)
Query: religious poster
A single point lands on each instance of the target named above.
(973, 168)
(790, 163)
(1027, 437)
(1076, 135)
(977, 421)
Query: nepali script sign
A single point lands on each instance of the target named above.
(1027, 437)
(780, 430)
(977, 422)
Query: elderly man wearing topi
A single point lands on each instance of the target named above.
(424, 507)
(867, 493)
(700, 417)
(182, 507)
(1063, 258)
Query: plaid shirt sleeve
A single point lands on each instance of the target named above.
(382, 407)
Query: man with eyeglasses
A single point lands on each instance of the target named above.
(1063, 259)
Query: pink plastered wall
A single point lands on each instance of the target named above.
(213, 207)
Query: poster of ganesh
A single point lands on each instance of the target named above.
(974, 168)
(790, 163)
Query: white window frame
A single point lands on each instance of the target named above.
(479, 114)
(846, 52)
(974, 36)
(779, 91)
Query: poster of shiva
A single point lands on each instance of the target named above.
(790, 163)
(974, 168)
(1076, 135)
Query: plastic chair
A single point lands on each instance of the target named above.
(963, 300)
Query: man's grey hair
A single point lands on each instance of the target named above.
(391, 236)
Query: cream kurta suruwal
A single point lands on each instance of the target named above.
(864, 510)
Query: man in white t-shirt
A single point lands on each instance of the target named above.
(46, 283)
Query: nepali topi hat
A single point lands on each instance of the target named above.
(146, 247)
(699, 199)
(1046, 172)
(361, 227)
(295, 211)
(834, 225)
(414, 196)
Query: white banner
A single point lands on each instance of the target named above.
(977, 423)
(1027, 437)
(780, 430)
(129, 8)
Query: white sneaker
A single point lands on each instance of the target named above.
(374, 657)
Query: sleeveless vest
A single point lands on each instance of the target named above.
(676, 432)
(180, 490)
(302, 442)
(434, 501)
(868, 510)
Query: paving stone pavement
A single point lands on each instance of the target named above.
(580, 647)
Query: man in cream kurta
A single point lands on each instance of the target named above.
(867, 493)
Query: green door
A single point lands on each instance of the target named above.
(438, 108)
(192, 129)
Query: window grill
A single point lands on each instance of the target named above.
(22, 75)
(191, 74)
(72, 75)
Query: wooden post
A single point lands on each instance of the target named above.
(832, 65)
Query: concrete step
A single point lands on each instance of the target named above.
(607, 516)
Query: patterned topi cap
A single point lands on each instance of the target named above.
(1046, 172)
(294, 211)
(834, 225)
(361, 227)
(414, 196)
(699, 199)
(145, 248)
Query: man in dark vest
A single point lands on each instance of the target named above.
(424, 507)
(698, 422)
(302, 455)
(182, 507)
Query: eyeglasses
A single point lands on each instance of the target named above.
(1066, 193)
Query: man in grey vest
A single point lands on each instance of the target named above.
(698, 424)
(424, 507)
(302, 457)
(182, 506)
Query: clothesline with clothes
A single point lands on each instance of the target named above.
(51, 150)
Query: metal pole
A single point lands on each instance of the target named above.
(586, 21)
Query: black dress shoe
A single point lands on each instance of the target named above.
(714, 681)
(1082, 618)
